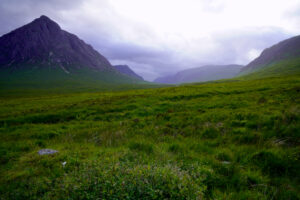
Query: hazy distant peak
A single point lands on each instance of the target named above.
(201, 74)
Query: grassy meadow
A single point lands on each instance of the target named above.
(235, 139)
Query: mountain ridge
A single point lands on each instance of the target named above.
(201, 74)
(125, 69)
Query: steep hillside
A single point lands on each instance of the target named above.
(125, 69)
(282, 52)
(289, 66)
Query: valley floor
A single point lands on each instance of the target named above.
(229, 140)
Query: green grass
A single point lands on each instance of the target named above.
(227, 140)
(48, 79)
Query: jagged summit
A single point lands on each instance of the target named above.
(45, 22)
(42, 42)
(44, 17)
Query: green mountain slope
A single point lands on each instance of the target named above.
(55, 80)
(284, 67)
(285, 52)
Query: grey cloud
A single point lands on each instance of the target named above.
(213, 5)
(232, 48)
(235, 45)
(15, 13)
(294, 15)
(149, 62)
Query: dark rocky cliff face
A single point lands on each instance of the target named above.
(125, 69)
(43, 42)
(289, 48)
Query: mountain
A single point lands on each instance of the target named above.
(201, 74)
(277, 56)
(125, 69)
(41, 53)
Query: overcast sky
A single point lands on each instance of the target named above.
(159, 37)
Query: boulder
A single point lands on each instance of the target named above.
(47, 151)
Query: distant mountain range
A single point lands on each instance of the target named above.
(125, 69)
(201, 74)
(41, 52)
(280, 59)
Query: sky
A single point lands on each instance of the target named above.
(161, 37)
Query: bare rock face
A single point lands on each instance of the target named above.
(286, 49)
(43, 42)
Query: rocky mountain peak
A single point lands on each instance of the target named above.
(44, 23)
(43, 43)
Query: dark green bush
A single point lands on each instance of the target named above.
(175, 148)
(270, 163)
(224, 156)
(4, 157)
(40, 143)
(248, 138)
(210, 133)
(141, 147)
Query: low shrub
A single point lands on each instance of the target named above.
(130, 182)
(141, 147)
